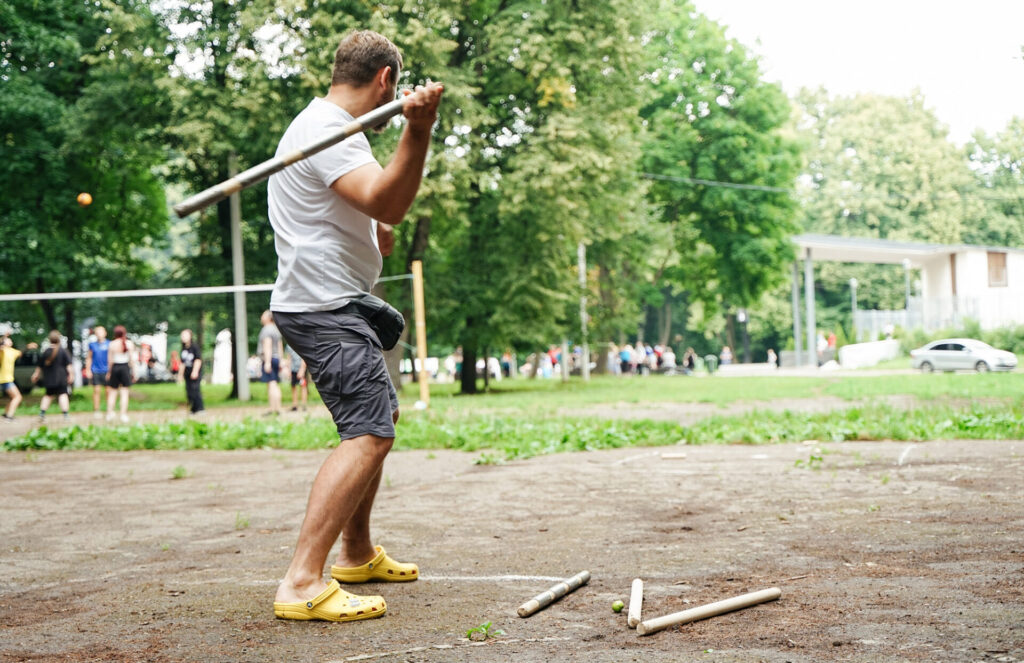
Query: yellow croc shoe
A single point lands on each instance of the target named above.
(380, 567)
(333, 605)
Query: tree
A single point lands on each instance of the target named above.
(81, 111)
(878, 167)
(997, 163)
(710, 118)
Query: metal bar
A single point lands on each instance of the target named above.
(264, 170)
(238, 278)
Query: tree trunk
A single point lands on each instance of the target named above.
(665, 331)
(468, 377)
(730, 333)
(487, 378)
(602, 360)
(46, 305)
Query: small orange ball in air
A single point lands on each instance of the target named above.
(84, 199)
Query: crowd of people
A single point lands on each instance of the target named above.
(112, 365)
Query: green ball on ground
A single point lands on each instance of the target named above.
(618, 606)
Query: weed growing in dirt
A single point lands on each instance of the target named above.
(179, 472)
(484, 631)
(241, 521)
(812, 463)
(487, 458)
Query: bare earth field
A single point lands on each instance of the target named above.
(883, 552)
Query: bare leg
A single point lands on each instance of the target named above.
(337, 493)
(63, 402)
(124, 401)
(356, 545)
(96, 398)
(274, 396)
(15, 395)
(45, 403)
(111, 402)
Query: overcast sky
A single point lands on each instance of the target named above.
(964, 56)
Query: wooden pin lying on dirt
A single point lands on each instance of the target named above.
(709, 610)
(636, 601)
(556, 592)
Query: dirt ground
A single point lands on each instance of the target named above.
(883, 552)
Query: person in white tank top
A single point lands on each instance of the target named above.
(121, 372)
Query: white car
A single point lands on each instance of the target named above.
(961, 354)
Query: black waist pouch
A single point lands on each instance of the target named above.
(383, 318)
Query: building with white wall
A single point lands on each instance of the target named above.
(958, 282)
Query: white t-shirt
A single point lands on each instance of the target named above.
(327, 251)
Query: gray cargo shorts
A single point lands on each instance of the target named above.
(345, 360)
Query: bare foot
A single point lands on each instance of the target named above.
(351, 558)
(290, 592)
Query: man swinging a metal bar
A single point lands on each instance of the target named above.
(332, 215)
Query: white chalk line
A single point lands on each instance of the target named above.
(427, 578)
(906, 452)
(505, 578)
(464, 643)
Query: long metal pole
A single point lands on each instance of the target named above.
(264, 170)
(581, 259)
(797, 337)
(812, 324)
(419, 311)
(238, 278)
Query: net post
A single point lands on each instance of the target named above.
(421, 330)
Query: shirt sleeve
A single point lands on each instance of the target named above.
(342, 158)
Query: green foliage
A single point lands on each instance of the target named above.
(81, 111)
(484, 631)
(179, 472)
(709, 116)
(997, 164)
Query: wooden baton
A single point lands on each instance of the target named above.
(556, 592)
(636, 601)
(258, 173)
(709, 610)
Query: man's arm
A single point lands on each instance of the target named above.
(88, 364)
(386, 194)
(196, 365)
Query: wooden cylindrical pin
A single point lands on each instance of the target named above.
(636, 601)
(556, 592)
(709, 610)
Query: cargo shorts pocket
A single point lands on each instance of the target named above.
(348, 367)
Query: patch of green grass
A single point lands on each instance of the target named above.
(179, 472)
(549, 397)
(241, 521)
(514, 437)
(872, 422)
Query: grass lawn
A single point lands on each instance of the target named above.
(522, 418)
